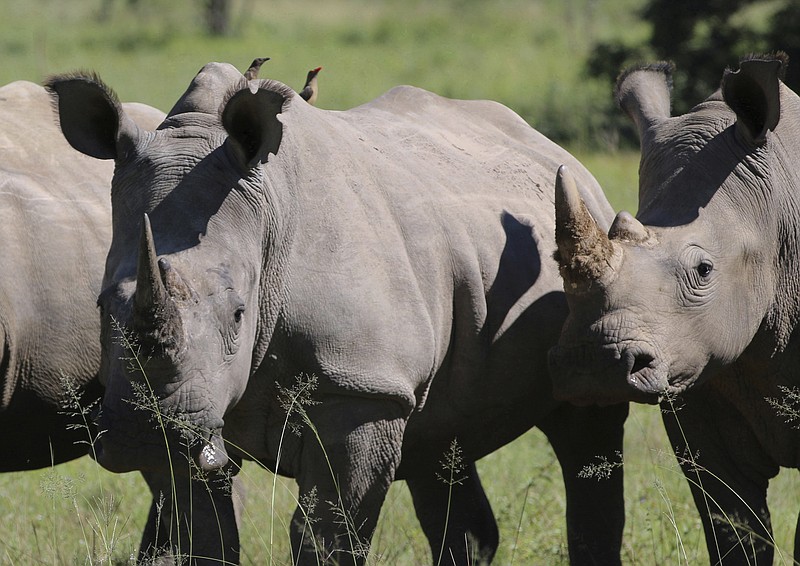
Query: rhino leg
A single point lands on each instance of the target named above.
(346, 465)
(191, 518)
(730, 497)
(585, 439)
(472, 536)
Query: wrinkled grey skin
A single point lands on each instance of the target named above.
(694, 302)
(399, 253)
(55, 224)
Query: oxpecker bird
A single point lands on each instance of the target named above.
(252, 72)
(310, 90)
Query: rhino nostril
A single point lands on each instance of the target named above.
(640, 362)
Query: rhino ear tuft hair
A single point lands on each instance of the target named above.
(753, 93)
(89, 113)
(644, 93)
(251, 119)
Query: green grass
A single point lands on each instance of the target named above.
(618, 174)
(55, 516)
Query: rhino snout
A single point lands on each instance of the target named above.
(605, 374)
(212, 454)
(130, 441)
(644, 373)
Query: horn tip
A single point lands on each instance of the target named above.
(563, 174)
(566, 188)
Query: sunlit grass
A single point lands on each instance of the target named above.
(41, 523)
(618, 175)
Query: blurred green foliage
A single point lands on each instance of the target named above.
(528, 55)
(702, 39)
(552, 61)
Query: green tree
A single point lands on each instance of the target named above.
(217, 16)
(784, 34)
(703, 38)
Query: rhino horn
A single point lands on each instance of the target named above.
(585, 252)
(627, 228)
(155, 314)
(151, 294)
(175, 285)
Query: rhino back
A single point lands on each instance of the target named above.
(54, 222)
(427, 238)
(412, 166)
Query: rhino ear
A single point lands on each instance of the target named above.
(644, 93)
(753, 93)
(251, 120)
(90, 115)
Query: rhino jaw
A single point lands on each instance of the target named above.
(128, 443)
(588, 374)
(645, 373)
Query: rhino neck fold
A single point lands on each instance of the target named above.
(279, 230)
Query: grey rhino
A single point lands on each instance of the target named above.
(54, 220)
(694, 302)
(55, 224)
(377, 280)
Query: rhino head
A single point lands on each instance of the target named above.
(662, 301)
(181, 295)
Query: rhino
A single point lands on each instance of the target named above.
(693, 303)
(346, 297)
(54, 221)
(55, 225)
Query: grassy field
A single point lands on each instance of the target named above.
(525, 54)
(78, 513)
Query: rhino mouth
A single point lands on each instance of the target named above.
(212, 454)
(127, 443)
(588, 374)
(645, 374)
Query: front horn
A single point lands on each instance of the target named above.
(151, 294)
(155, 315)
(585, 252)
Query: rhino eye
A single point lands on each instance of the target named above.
(704, 269)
